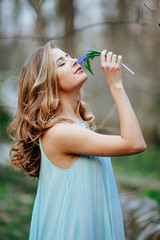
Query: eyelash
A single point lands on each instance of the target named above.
(62, 64)
(68, 56)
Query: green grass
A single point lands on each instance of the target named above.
(16, 202)
(151, 194)
(143, 164)
(140, 172)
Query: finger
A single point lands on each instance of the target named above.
(119, 62)
(109, 57)
(114, 59)
(103, 56)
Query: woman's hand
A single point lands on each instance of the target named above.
(111, 66)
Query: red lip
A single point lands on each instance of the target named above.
(78, 69)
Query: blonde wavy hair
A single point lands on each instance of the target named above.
(37, 104)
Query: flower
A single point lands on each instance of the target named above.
(81, 60)
(89, 55)
(84, 58)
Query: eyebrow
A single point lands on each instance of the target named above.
(61, 58)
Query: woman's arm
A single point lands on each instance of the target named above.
(130, 129)
(69, 138)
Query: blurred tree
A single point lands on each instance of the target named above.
(122, 9)
(65, 9)
(8, 47)
(0, 29)
(138, 38)
(154, 11)
(17, 8)
(40, 22)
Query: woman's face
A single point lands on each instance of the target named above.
(70, 75)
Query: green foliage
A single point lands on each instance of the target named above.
(5, 119)
(140, 172)
(16, 202)
(144, 164)
(151, 194)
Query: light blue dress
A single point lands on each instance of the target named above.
(79, 203)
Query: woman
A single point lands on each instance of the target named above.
(77, 197)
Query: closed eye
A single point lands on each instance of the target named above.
(63, 59)
(61, 64)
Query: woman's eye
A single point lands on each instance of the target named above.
(61, 64)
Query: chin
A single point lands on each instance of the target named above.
(82, 79)
(85, 76)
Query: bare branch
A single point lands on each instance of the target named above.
(40, 21)
(153, 11)
(71, 32)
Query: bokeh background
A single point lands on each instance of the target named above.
(126, 27)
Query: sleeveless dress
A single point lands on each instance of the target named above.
(79, 203)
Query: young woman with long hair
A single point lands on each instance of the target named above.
(54, 135)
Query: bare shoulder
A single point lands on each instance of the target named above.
(65, 129)
(65, 134)
(54, 143)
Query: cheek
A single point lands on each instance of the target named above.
(64, 81)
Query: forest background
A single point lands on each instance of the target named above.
(127, 27)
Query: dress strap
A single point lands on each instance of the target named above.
(82, 123)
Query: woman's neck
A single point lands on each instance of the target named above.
(69, 106)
